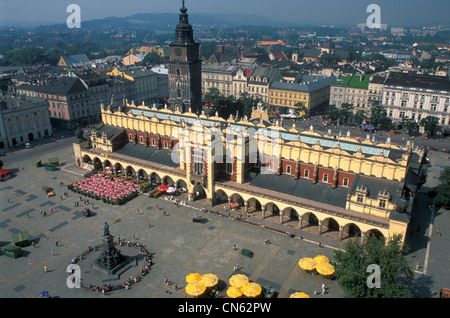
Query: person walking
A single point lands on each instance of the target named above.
(438, 233)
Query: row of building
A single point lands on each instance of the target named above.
(72, 97)
(404, 95)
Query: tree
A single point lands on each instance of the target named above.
(409, 124)
(378, 117)
(352, 268)
(27, 56)
(331, 113)
(443, 188)
(429, 124)
(329, 60)
(300, 109)
(346, 112)
(360, 117)
(213, 95)
(152, 58)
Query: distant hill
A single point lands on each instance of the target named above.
(162, 21)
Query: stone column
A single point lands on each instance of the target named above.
(246, 207)
(300, 219)
(281, 216)
(341, 231)
(263, 211)
(363, 235)
(320, 227)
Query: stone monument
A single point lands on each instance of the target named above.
(110, 261)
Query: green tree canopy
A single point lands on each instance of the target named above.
(352, 266)
(329, 60)
(430, 124)
(443, 188)
(378, 117)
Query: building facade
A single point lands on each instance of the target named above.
(311, 91)
(353, 90)
(68, 101)
(22, 120)
(416, 96)
(326, 184)
(219, 76)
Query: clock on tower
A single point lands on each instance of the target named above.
(185, 73)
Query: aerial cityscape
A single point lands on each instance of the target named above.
(224, 150)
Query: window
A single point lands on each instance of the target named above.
(141, 139)
(153, 142)
(325, 177)
(229, 167)
(271, 166)
(382, 203)
(288, 169)
(360, 198)
(345, 182)
(306, 173)
(130, 137)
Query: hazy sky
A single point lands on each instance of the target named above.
(393, 12)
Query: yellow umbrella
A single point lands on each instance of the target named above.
(193, 278)
(234, 292)
(209, 280)
(325, 269)
(307, 263)
(195, 289)
(299, 295)
(321, 259)
(238, 280)
(251, 290)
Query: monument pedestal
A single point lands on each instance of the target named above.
(111, 262)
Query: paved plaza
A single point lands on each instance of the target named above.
(177, 245)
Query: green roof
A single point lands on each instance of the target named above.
(354, 81)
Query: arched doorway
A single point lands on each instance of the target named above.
(273, 209)
(309, 221)
(107, 166)
(236, 201)
(374, 233)
(182, 185)
(330, 227)
(351, 230)
(130, 173)
(87, 159)
(97, 164)
(198, 192)
(118, 169)
(168, 181)
(142, 176)
(220, 197)
(155, 179)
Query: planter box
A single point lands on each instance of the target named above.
(21, 239)
(50, 167)
(247, 253)
(37, 162)
(12, 251)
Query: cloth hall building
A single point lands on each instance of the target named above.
(339, 187)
